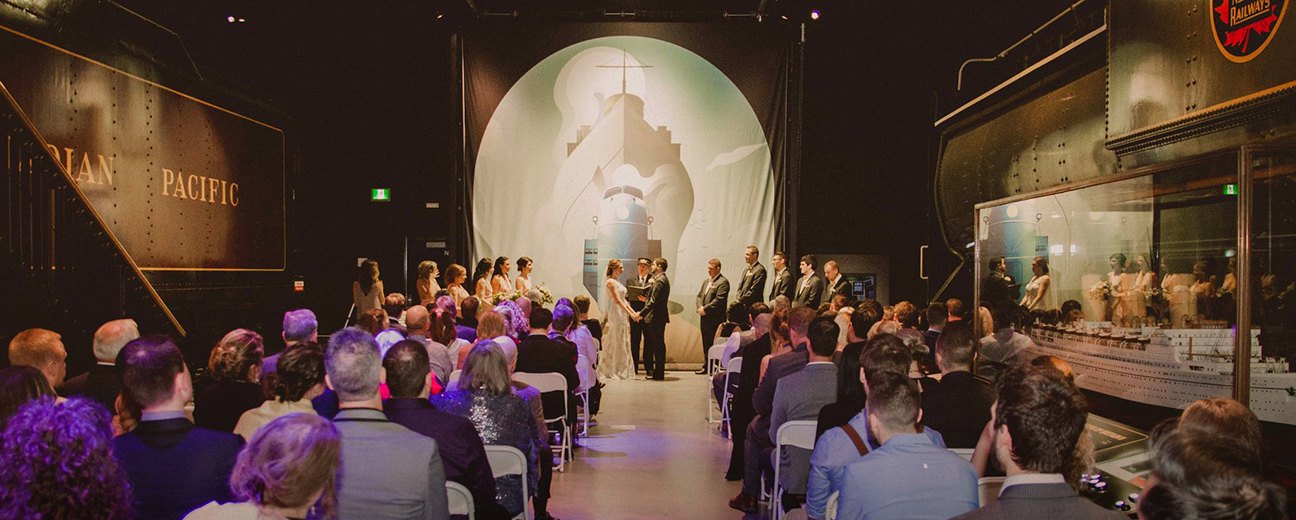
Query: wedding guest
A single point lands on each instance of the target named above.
(367, 291)
(801, 396)
(58, 463)
(20, 385)
(523, 283)
(485, 397)
(100, 383)
(957, 311)
(298, 380)
(288, 470)
(299, 326)
(491, 326)
(455, 277)
(426, 284)
(850, 391)
(1005, 346)
(388, 471)
(469, 309)
(958, 406)
(234, 372)
(40, 349)
(394, 306)
(539, 354)
(154, 377)
(373, 321)
(1226, 419)
(481, 279)
(741, 408)
(582, 303)
(437, 337)
(500, 283)
(460, 447)
(1198, 475)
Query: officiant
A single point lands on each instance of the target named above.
(634, 289)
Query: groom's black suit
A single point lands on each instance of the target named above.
(655, 316)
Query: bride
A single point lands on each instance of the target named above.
(615, 360)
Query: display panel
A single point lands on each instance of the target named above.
(1134, 283)
(1273, 273)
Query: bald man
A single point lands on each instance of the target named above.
(100, 384)
(40, 349)
(418, 321)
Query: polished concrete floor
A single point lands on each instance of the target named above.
(652, 455)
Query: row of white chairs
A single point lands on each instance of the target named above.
(504, 460)
(544, 383)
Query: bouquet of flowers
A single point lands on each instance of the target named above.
(1155, 295)
(546, 297)
(499, 298)
(1101, 290)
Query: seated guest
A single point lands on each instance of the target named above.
(519, 322)
(848, 442)
(492, 326)
(443, 330)
(486, 398)
(937, 315)
(461, 449)
(288, 470)
(299, 379)
(957, 312)
(387, 338)
(800, 396)
(1039, 418)
(58, 463)
(959, 405)
(1228, 419)
(907, 476)
(233, 374)
(419, 325)
(466, 326)
(736, 321)
(1197, 475)
(582, 303)
(1004, 348)
(539, 354)
(299, 326)
(741, 411)
(394, 306)
(850, 392)
(42, 350)
(758, 442)
(19, 386)
(388, 471)
(532, 398)
(373, 321)
(760, 328)
(173, 467)
(100, 383)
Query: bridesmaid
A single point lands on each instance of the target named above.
(481, 280)
(427, 285)
(455, 277)
(500, 283)
(523, 282)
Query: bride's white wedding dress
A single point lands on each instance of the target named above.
(614, 361)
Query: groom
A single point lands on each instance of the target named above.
(654, 316)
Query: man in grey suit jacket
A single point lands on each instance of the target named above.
(782, 277)
(712, 302)
(809, 287)
(1025, 415)
(800, 396)
(388, 470)
(752, 285)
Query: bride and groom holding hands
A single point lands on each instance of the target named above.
(617, 362)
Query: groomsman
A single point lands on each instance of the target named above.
(782, 278)
(837, 283)
(810, 287)
(641, 279)
(752, 285)
(654, 317)
(712, 302)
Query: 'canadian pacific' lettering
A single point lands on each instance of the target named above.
(84, 169)
(199, 188)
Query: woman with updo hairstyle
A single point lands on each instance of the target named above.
(455, 276)
(298, 378)
(233, 381)
(481, 280)
(290, 469)
(58, 464)
(19, 386)
(500, 283)
(523, 282)
(427, 285)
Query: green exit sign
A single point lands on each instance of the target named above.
(1230, 189)
(380, 195)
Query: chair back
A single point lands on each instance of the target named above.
(460, 500)
(714, 354)
(546, 382)
(797, 433)
(734, 366)
(966, 453)
(507, 460)
(453, 380)
(988, 489)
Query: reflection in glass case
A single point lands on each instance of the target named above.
(1135, 281)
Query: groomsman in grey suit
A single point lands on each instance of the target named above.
(752, 285)
(712, 301)
(837, 283)
(782, 277)
(809, 287)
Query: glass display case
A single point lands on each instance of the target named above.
(1142, 280)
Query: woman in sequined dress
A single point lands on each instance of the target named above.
(485, 397)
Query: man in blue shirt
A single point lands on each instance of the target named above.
(838, 447)
(908, 476)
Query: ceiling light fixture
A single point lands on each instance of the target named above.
(230, 19)
(814, 15)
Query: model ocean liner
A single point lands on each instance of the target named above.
(1168, 367)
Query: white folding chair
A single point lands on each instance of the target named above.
(731, 370)
(713, 367)
(966, 453)
(553, 382)
(792, 433)
(507, 460)
(988, 489)
(583, 363)
(452, 382)
(460, 500)
(830, 513)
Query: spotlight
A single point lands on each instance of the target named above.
(814, 15)
(230, 19)
(242, 20)
(439, 15)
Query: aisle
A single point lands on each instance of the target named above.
(652, 456)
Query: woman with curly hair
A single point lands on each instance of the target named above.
(233, 374)
(298, 379)
(519, 323)
(58, 463)
(427, 285)
(288, 470)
